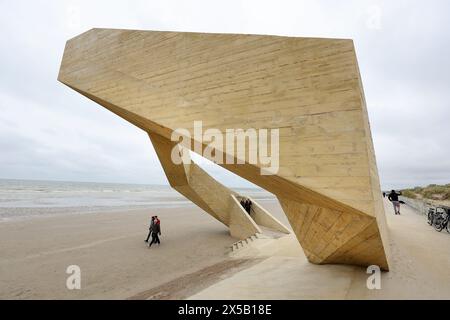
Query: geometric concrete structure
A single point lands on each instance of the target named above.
(308, 88)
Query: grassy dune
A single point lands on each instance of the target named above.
(431, 192)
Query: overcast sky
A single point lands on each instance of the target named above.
(48, 131)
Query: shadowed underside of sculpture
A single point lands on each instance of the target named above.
(307, 88)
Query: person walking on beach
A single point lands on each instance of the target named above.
(156, 230)
(393, 197)
(152, 221)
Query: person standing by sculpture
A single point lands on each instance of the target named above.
(249, 206)
(246, 204)
(393, 197)
(156, 230)
(242, 202)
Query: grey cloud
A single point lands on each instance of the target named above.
(49, 131)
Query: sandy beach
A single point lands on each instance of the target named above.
(110, 250)
(194, 260)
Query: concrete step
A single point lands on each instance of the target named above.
(243, 243)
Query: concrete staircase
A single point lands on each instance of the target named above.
(266, 235)
(243, 243)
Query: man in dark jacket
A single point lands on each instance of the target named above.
(152, 221)
(156, 230)
(393, 197)
(242, 202)
(249, 206)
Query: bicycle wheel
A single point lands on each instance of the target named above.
(438, 225)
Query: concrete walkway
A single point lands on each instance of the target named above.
(420, 268)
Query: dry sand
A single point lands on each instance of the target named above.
(110, 250)
(194, 261)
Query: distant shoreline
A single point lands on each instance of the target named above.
(23, 199)
(60, 212)
(107, 183)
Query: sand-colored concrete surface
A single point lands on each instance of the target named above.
(420, 269)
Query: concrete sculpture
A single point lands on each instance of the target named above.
(308, 89)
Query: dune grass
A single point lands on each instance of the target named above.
(432, 192)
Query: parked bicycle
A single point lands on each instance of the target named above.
(439, 218)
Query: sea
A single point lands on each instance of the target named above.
(25, 199)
